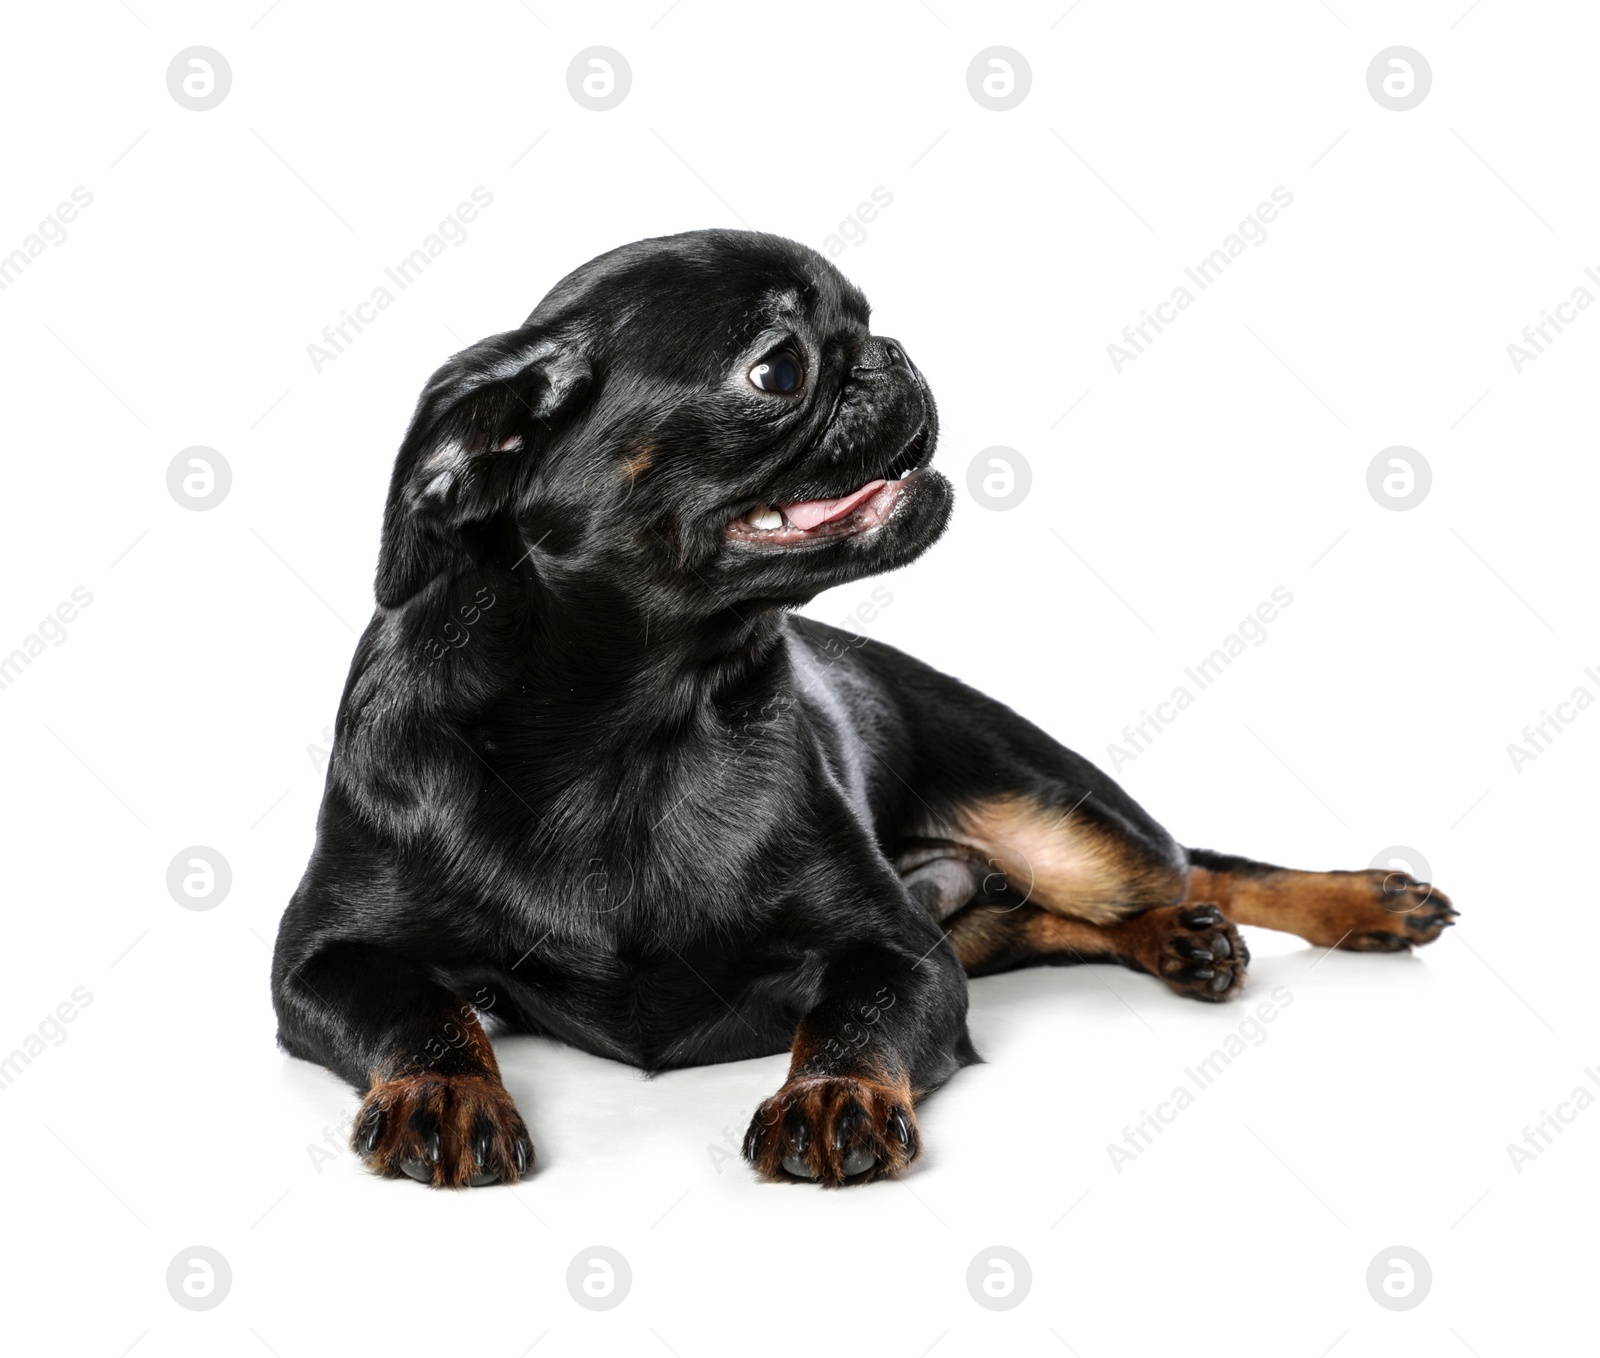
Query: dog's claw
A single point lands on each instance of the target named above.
(858, 1160)
(482, 1144)
(799, 1132)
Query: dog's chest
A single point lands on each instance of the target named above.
(677, 981)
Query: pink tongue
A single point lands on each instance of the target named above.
(808, 514)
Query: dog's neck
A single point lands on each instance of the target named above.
(593, 662)
(649, 672)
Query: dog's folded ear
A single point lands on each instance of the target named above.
(480, 422)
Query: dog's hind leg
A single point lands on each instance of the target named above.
(1020, 884)
(1028, 854)
(1367, 911)
(1015, 903)
(1192, 948)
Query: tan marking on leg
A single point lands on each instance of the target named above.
(998, 937)
(1169, 941)
(986, 936)
(1065, 862)
(1370, 911)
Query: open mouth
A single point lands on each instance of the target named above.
(862, 510)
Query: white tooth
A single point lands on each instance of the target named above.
(767, 518)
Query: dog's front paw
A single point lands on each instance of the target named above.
(833, 1130)
(450, 1131)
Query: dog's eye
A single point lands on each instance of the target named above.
(780, 372)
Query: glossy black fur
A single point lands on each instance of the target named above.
(642, 805)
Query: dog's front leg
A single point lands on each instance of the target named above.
(889, 1027)
(435, 1109)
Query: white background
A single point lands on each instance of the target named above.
(186, 702)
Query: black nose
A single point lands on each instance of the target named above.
(879, 354)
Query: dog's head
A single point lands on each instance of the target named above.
(705, 419)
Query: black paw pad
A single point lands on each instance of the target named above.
(1201, 954)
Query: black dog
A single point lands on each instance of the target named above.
(593, 779)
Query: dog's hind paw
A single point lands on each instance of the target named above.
(1193, 948)
(833, 1130)
(449, 1131)
(1400, 913)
